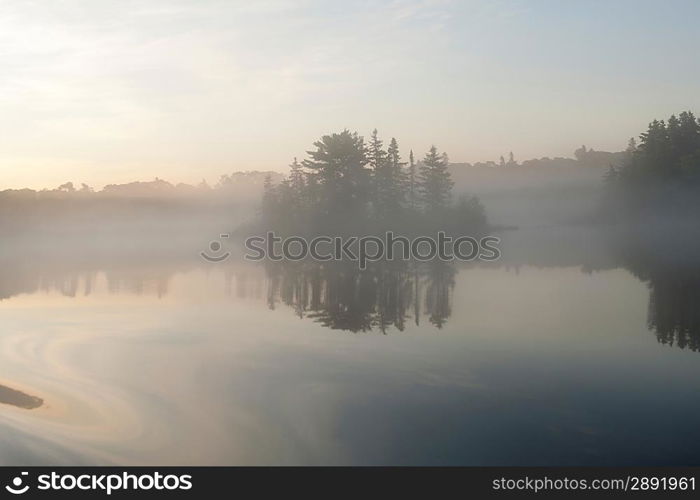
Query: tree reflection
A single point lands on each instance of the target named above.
(674, 314)
(672, 273)
(380, 298)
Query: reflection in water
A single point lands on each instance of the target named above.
(673, 309)
(674, 289)
(72, 279)
(19, 399)
(388, 294)
(342, 297)
(180, 362)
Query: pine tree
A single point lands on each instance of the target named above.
(689, 134)
(675, 141)
(511, 160)
(412, 182)
(397, 185)
(297, 184)
(381, 177)
(376, 156)
(655, 148)
(337, 170)
(435, 181)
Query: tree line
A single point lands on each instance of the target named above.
(348, 185)
(661, 172)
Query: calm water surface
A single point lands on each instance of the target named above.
(204, 364)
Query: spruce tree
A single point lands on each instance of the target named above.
(376, 156)
(412, 182)
(381, 177)
(398, 179)
(297, 184)
(337, 170)
(511, 160)
(435, 181)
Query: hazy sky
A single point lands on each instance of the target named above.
(113, 91)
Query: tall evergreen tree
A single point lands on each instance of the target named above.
(398, 178)
(435, 181)
(412, 182)
(688, 134)
(376, 156)
(337, 168)
(297, 185)
(381, 177)
(511, 160)
(296, 175)
(655, 149)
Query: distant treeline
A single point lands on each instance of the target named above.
(345, 185)
(152, 207)
(249, 184)
(661, 173)
(583, 157)
(239, 183)
(388, 189)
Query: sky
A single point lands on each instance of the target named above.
(115, 91)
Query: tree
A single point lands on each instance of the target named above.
(662, 173)
(396, 185)
(469, 214)
(296, 176)
(655, 146)
(412, 182)
(435, 182)
(344, 186)
(297, 185)
(68, 187)
(688, 134)
(337, 167)
(389, 179)
(376, 156)
(511, 160)
(381, 174)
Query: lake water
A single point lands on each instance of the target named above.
(196, 363)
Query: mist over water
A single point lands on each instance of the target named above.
(121, 345)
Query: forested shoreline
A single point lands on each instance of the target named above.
(660, 177)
